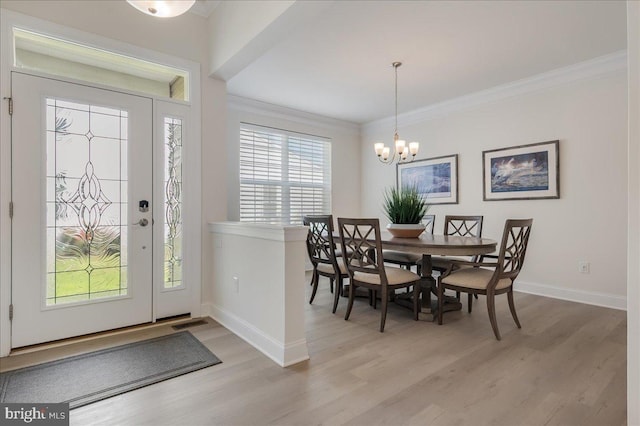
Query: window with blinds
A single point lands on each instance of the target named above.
(283, 175)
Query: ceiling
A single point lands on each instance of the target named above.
(338, 64)
(204, 7)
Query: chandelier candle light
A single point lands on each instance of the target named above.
(402, 151)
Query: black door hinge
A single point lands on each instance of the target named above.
(10, 100)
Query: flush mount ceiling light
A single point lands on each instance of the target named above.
(162, 8)
(402, 151)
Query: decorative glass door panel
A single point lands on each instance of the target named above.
(81, 246)
(173, 202)
(173, 293)
(86, 202)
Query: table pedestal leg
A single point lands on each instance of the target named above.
(430, 306)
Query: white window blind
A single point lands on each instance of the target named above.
(283, 175)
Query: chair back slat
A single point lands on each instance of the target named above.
(320, 244)
(464, 226)
(362, 247)
(429, 220)
(513, 247)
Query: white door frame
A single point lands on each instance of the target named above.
(192, 153)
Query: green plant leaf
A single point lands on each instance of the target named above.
(405, 205)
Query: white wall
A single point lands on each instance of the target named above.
(633, 283)
(265, 306)
(588, 222)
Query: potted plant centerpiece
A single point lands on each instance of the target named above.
(405, 208)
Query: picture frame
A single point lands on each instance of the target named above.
(435, 178)
(525, 172)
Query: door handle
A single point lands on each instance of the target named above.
(142, 222)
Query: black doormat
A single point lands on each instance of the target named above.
(83, 379)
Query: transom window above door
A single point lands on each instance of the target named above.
(38, 52)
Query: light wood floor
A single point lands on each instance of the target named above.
(566, 366)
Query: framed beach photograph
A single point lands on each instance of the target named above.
(435, 178)
(525, 172)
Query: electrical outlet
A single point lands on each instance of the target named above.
(236, 284)
(584, 267)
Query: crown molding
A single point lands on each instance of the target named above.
(239, 103)
(581, 71)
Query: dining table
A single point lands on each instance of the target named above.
(432, 244)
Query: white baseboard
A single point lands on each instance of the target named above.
(589, 297)
(283, 354)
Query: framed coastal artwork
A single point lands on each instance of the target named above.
(525, 172)
(435, 178)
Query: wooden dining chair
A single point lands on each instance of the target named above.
(409, 259)
(490, 278)
(322, 253)
(362, 257)
(464, 226)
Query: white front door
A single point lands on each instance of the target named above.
(82, 223)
